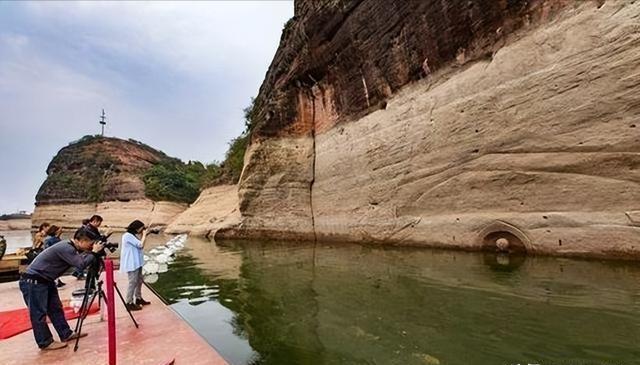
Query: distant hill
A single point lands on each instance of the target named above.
(95, 169)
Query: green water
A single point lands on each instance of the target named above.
(276, 303)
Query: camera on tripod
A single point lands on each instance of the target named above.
(112, 247)
(155, 230)
(93, 288)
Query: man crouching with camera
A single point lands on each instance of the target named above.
(38, 286)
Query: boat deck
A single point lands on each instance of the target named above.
(162, 336)
(11, 263)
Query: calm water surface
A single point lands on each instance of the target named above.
(16, 239)
(275, 303)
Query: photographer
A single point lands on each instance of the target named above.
(39, 290)
(131, 261)
(53, 236)
(92, 224)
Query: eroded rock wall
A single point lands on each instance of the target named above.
(274, 197)
(116, 214)
(340, 60)
(452, 125)
(216, 208)
(543, 136)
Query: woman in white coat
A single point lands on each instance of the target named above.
(131, 261)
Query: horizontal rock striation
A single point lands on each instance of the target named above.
(117, 214)
(451, 124)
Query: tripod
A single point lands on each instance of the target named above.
(92, 290)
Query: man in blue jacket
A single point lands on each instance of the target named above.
(38, 286)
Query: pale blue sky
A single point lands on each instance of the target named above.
(173, 75)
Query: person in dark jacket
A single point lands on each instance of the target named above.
(92, 224)
(39, 291)
(53, 236)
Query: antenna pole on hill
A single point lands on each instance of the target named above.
(103, 122)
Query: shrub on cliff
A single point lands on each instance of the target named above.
(231, 168)
(169, 181)
(233, 163)
(178, 182)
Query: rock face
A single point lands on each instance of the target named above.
(451, 124)
(96, 169)
(100, 175)
(216, 208)
(117, 214)
(15, 224)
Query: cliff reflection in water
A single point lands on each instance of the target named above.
(274, 303)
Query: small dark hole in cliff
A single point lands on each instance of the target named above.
(632, 126)
(544, 217)
(477, 130)
(476, 151)
(383, 104)
(559, 242)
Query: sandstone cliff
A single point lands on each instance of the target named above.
(216, 208)
(100, 175)
(451, 124)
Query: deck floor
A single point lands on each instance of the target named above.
(162, 335)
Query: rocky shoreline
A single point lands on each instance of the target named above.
(20, 224)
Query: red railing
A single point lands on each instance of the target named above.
(111, 311)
